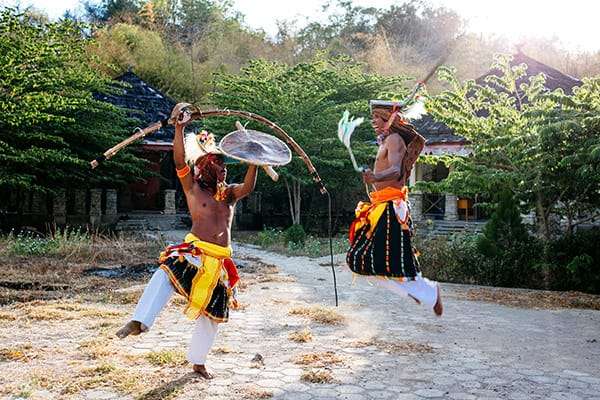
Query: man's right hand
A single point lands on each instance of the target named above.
(183, 118)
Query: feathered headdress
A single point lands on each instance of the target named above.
(198, 145)
(397, 121)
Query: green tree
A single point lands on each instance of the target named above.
(307, 100)
(52, 125)
(542, 145)
(111, 10)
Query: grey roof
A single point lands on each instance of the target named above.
(144, 102)
(554, 78)
(437, 132)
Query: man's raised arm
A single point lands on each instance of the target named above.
(242, 190)
(184, 172)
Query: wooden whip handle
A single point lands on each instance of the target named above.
(271, 172)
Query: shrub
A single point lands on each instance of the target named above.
(573, 261)
(295, 235)
(268, 237)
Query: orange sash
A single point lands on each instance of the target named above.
(369, 213)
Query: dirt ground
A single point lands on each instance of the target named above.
(58, 318)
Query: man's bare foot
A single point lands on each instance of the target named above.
(201, 370)
(131, 328)
(438, 308)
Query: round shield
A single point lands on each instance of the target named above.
(256, 148)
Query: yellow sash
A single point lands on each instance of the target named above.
(208, 274)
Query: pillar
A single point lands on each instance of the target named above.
(416, 205)
(79, 202)
(170, 207)
(59, 207)
(451, 213)
(95, 206)
(38, 203)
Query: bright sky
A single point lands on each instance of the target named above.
(574, 22)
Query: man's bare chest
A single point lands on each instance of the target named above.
(381, 160)
(206, 206)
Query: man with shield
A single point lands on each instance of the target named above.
(201, 268)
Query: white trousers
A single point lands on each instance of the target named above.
(155, 297)
(421, 289)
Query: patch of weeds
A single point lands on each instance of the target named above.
(399, 347)
(130, 297)
(275, 240)
(167, 391)
(255, 393)
(7, 316)
(303, 336)
(17, 353)
(24, 393)
(223, 350)
(167, 357)
(104, 374)
(96, 348)
(322, 359)
(48, 311)
(320, 314)
(317, 376)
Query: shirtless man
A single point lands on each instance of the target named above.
(201, 268)
(381, 233)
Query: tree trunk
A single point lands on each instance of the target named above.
(569, 220)
(297, 201)
(290, 200)
(543, 218)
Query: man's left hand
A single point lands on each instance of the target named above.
(369, 177)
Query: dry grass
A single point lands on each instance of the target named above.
(97, 348)
(224, 350)
(16, 353)
(63, 311)
(105, 374)
(167, 357)
(398, 347)
(82, 247)
(317, 376)
(256, 271)
(320, 360)
(524, 298)
(252, 393)
(320, 314)
(7, 316)
(303, 336)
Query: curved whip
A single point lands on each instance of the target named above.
(199, 114)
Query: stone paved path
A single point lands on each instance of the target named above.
(478, 350)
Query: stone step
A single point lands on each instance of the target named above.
(152, 222)
(446, 228)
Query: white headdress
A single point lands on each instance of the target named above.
(199, 145)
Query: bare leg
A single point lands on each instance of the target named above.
(200, 369)
(438, 308)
